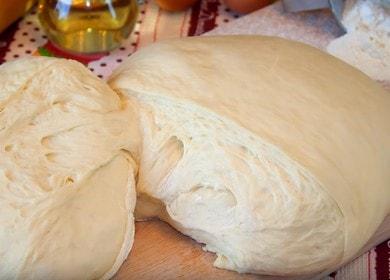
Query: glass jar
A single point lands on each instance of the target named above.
(88, 26)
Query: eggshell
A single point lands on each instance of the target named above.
(175, 5)
(246, 6)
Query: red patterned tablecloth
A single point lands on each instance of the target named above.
(26, 37)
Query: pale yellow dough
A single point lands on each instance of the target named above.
(272, 153)
(67, 191)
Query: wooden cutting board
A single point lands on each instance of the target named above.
(161, 253)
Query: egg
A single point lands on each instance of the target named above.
(175, 5)
(246, 6)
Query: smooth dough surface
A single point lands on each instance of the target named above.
(272, 153)
(67, 190)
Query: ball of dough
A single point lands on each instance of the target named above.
(272, 153)
(67, 190)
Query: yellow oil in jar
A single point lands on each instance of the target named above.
(87, 26)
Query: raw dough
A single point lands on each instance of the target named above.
(272, 153)
(67, 191)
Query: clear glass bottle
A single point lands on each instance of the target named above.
(88, 26)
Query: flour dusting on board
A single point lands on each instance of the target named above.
(367, 43)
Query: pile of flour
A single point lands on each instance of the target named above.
(367, 42)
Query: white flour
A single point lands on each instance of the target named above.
(367, 43)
